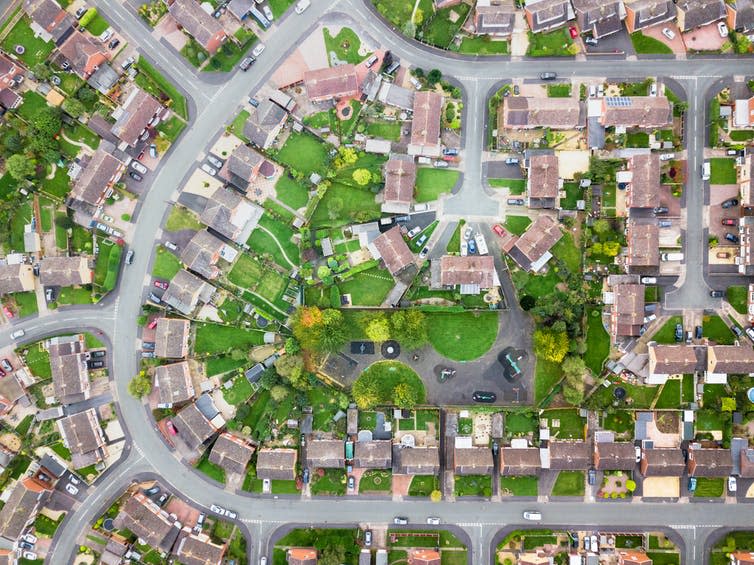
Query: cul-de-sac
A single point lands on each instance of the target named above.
(377, 282)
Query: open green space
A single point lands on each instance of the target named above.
(597, 340)
(264, 244)
(574, 193)
(570, 423)
(399, 12)
(636, 139)
(646, 45)
(239, 392)
(98, 25)
(517, 225)
(514, 186)
(722, 170)
(384, 130)
(717, 330)
(520, 423)
(376, 480)
(664, 557)
(355, 204)
(462, 336)
(166, 265)
(223, 364)
(291, 192)
(211, 470)
(36, 50)
(25, 303)
(246, 272)
(473, 485)
(443, 27)
(556, 43)
(38, 361)
(237, 124)
(332, 483)
(742, 135)
(559, 90)
(569, 483)
(216, 338)
(69, 295)
(195, 53)
(619, 421)
(305, 153)
(279, 7)
(423, 485)
(58, 185)
(31, 105)
(568, 252)
(431, 183)
(346, 46)
(376, 385)
(546, 376)
(483, 45)
(709, 487)
(666, 334)
(737, 297)
(171, 128)
(368, 288)
(519, 486)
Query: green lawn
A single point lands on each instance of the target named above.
(279, 7)
(214, 338)
(556, 43)
(283, 232)
(166, 265)
(717, 330)
(376, 481)
(708, 420)
(722, 170)
(546, 375)
(240, 392)
(384, 130)
(430, 183)
(514, 186)
(305, 153)
(707, 487)
(423, 485)
(569, 483)
(737, 297)
(332, 483)
(150, 79)
(413, 244)
(31, 105)
(237, 125)
(368, 288)
(380, 379)
(97, 25)
(38, 361)
(195, 53)
(58, 185)
(519, 486)
(517, 225)
(223, 364)
(171, 128)
(211, 470)
(559, 90)
(597, 340)
(637, 139)
(567, 251)
(440, 30)
(358, 204)
(666, 334)
(230, 53)
(520, 423)
(742, 135)
(643, 44)
(264, 244)
(571, 424)
(670, 397)
(37, 50)
(75, 296)
(181, 218)
(473, 485)
(83, 134)
(26, 303)
(573, 194)
(291, 192)
(345, 45)
(483, 46)
(462, 336)
(454, 244)
(620, 421)
(666, 558)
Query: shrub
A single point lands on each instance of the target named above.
(87, 18)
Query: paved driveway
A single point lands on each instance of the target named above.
(661, 487)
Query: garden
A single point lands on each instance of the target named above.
(431, 183)
(556, 43)
(388, 383)
(462, 336)
(519, 486)
(473, 485)
(569, 483)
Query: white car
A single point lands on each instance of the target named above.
(73, 479)
(209, 170)
(667, 32)
(302, 5)
(257, 51)
(107, 218)
(667, 156)
(653, 89)
(732, 484)
(267, 13)
(17, 334)
(532, 515)
(722, 29)
(215, 162)
(30, 538)
(217, 509)
(433, 520)
(105, 35)
(138, 167)
(637, 451)
(30, 555)
(71, 489)
(413, 231)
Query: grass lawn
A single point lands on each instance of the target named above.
(483, 46)
(559, 90)
(264, 244)
(517, 224)
(346, 45)
(742, 135)
(384, 130)
(546, 375)
(569, 483)
(708, 487)
(736, 296)
(194, 53)
(567, 251)
(71, 295)
(717, 330)
(231, 53)
(26, 303)
(620, 421)
(440, 30)
(166, 265)
(247, 272)
(430, 183)
(462, 336)
(59, 185)
(556, 43)
(211, 470)
(98, 25)
(283, 232)
(240, 392)
(413, 245)
(514, 186)
(181, 218)
(21, 216)
(153, 82)
(473, 485)
(376, 481)
(422, 485)
(722, 170)
(519, 486)
(645, 45)
(279, 7)
(687, 390)
(597, 340)
(223, 364)
(305, 153)
(665, 558)
(291, 192)
(355, 202)
(46, 526)
(666, 334)
(520, 423)
(708, 420)
(637, 139)
(368, 288)
(332, 483)
(670, 397)
(38, 361)
(171, 128)
(382, 377)
(31, 105)
(454, 244)
(571, 425)
(573, 195)
(237, 125)
(37, 50)
(83, 134)
(214, 338)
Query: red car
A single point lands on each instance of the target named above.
(171, 428)
(498, 229)
(7, 312)
(729, 222)
(573, 31)
(152, 325)
(161, 284)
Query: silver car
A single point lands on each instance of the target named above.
(209, 170)
(138, 167)
(214, 161)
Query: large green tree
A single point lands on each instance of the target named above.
(574, 371)
(19, 166)
(550, 345)
(409, 328)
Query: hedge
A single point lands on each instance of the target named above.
(113, 267)
(358, 269)
(87, 18)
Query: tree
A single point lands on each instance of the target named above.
(41, 71)
(601, 226)
(87, 95)
(292, 346)
(88, 16)
(46, 122)
(574, 370)
(362, 176)
(365, 393)
(334, 207)
(19, 167)
(404, 395)
(288, 365)
(611, 248)
(64, 222)
(332, 555)
(418, 16)
(434, 76)
(74, 107)
(140, 385)
(527, 302)
(378, 329)
(237, 354)
(333, 335)
(279, 392)
(550, 345)
(435, 496)
(728, 404)
(12, 142)
(630, 485)
(346, 156)
(409, 327)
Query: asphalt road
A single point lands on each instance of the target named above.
(214, 102)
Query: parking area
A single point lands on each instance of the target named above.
(705, 38)
(675, 44)
(616, 44)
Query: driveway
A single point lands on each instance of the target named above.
(676, 44)
(661, 487)
(616, 44)
(705, 38)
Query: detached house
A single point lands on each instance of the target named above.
(470, 274)
(84, 54)
(264, 123)
(543, 181)
(49, 21)
(232, 453)
(65, 271)
(230, 215)
(82, 435)
(641, 14)
(425, 125)
(692, 14)
(202, 253)
(21, 507)
(173, 384)
(16, 278)
(186, 291)
(277, 463)
(547, 15)
(627, 314)
(100, 174)
(643, 251)
(601, 17)
(644, 188)
(148, 521)
(332, 83)
(242, 167)
(532, 250)
(171, 338)
(400, 178)
(740, 16)
(644, 112)
(205, 29)
(193, 427)
(134, 115)
(522, 112)
(393, 250)
(70, 375)
(495, 18)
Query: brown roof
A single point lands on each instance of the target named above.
(425, 124)
(672, 359)
(522, 112)
(145, 519)
(641, 14)
(173, 383)
(400, 178)
(202, 253)
(742, 12)
(730, 359)
(468, 270)
(11, 392)
(101, 173)
(614, 456)
(545, 15)
(49, 16)
(199, 550)
(81, 432)
(373, 454)
(716, 462)
(301, 556)
(16, 278)
(393, 250)
(232, 453)
(473, 461)
(65, 271)
(543, 179)
(569, 455)
(416, 460)
(325, 453)
(133, 115)
(9, 71)
(662, 462)
(83, 53)
(277, 463)
(70, 376)
(21, 507)
(497, 19)
(627, 315)
(171, 338)
(231, 215)
(192, 426)
(424, 557)
(242, 166)
(186, 291)
(264, 123)
(747, 463)
(643, 245)
(331, 82)
(692, 14)
(203, 27)
(742, 558)
(636, 111)
(517, 461)
(644, 189)
(538, 239)
(633, 557)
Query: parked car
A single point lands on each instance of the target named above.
(750, 332)
(153, 151)
(71, 489)
(736, 330)
(114, 43)
(648, 280)
(472, 247)
(532, 515)
(653, 92)
(450, 151)
(302, 5)
(17, 334)
(127, 63)
(549, 75)
(667, 32)
(592, 475)
(80, 13)
(424, 253)
(30, 538)
(593, 41)
(138, 167)
(161, 284)
(498, 229)
(5, 364)
(267, 12)
(667, 156)
(171, 428)
(163, 499)
(733, 238)
(130, 257)
(732, 484)
(692, 484)
(306, 476)
(433, 521)
(30, 555)
(729, 222)
(25, 545)
(421, 240)
(400, 520)
(698, 332)
(99, 354)
(214, 161)
(413, 231)
(730, 203)
(722, 29)
(678, 332)
(573, 32)
(484, 396)
(660, 210)
(512, 161)
(257, 51)
(717, 293)
(105, 35)
(152, 491)
(440, 164)
(170, 245)
(515, 202)
(351, 482)
(136, 176)
(95, 364)
(368, 538)
(209, 170)
(246, 63)
(637, 452)
(516, 90)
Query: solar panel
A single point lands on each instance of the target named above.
(618, 101)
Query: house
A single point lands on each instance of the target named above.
(70, 375)
(65, 271)
(393, 250)
(171, 338)
(745, 257)
(133, 116)
(472, 273)
(21, 507)
(241, 167)
(543, 181)
(49, 21)
(193, 427)
(424, 557)
(662, 462)
(742, 558)
(633, 557)
(644, 188)
(10, 72)
(416, 460)
(468, 460)
(144, 518)
(240, 8)
(391, 94)
(532, 250)
(601, 17)
(627, 314)
(16, 278)
(100, 174)
(173, 384)
(519, 461)
(643, 14)
(425, 124)
(264, 123)
(373, 454)
(9, 100)
(567, 455)
(400, 178)
(301, 556)
(199, 550)
(11, 392)
(332, 83)
(668, 360)
(643, 246)
(495, 18)
(103, 79)
(724, 360)
(277, 464)
(614, 456)
(746, 463)
(325, 454)
(547, 15)
(743, 113)
(82, 435)
(202, 253)
(231, 215)
(186, 291)
(205, 29)
(644, 112)
(524, 112)
(709, 462)
(232, 453)
(691, 14)
(740, 16)
(84, 54)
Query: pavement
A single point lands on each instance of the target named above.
(214, 99)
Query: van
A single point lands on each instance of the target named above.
(677, 256)
(302, 5)
(395, 65)
(648, 280)
(706, 171)
(371, 61)
(665, 224)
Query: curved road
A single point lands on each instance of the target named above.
(209, 97)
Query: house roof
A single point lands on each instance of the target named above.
(696, 13)
(232, 453)
(543, 180)
(21, 507)
(240, 8)
(473, 460)
(102, 171)
(171, 338)
(83, 53)
(714, 462)
(134, 114)
(231, 215)
(325, 453)
(747, 463)
(301, 556)
(103, 79)
(145, 519)
(11, 391)
(192, 426)
(633, 557)
(173, 383)
(644, 189)
(614, 456)
(742, 558)
(70, 376)
(425, 124)
(393, 250)
(730, 359)
(646, 13)
(373, 454)
(424, 557)
(65, 271)
(263, 123)
(672, 359)
(400, 178)
(546, 14)
(538, 239)
(521, 112)
(186, 291)
(9, 71)
(415, 460)
(201, 254)
(662, 462)
(276, 463)
(331, 82)
(16, 278)
(471, 269)
(199, 550)
(627, 316)
(49, 16)
(569, 455)
(636, 111)
(242, 166)
(643, 244)
(743, 14)
(494, 19)
(81, 432)
(519, 461)
(199, 24)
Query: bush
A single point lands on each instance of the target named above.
(87, 18)
(334, 296)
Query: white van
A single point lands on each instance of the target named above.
(302, 5)
(705, 170)
(649, 280)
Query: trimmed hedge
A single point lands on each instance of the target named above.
(113, 267)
